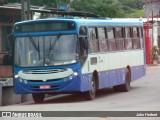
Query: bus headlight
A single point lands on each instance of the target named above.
(16, 76)
(75, 73)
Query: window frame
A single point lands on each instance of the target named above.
(128, 39)
(136, 39)
(120, 43)
(95, 40)
(104, 39)
(112, 39)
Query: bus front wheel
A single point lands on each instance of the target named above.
(38, 98)
(91, 94)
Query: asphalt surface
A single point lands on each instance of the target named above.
(143, 96)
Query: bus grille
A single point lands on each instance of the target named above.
(51, 71)
(35, 81)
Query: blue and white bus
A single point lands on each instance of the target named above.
(59, 55)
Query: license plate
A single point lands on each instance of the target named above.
(45, 87)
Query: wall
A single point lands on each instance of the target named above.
(7, 18)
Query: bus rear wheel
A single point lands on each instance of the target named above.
(126, 86)
(38, 98)
(91, 94)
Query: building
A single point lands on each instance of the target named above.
(152, 8)
(9, 14)
(152, 11)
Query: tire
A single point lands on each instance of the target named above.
(117, 88)
(126, 86)
(38, 98)
(91, 94)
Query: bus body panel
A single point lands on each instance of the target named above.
(56, 87)
(59, 85)
(111, 65)
(110, 61)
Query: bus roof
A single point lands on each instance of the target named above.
(91, 21)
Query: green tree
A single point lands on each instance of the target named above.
(135, 13)
(104, 8)
(136, 4)
(50, 3)
(14, 1)
(133, 8)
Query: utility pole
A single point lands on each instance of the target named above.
(57, 4)
(25, 10)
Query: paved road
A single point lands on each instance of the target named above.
(143, 96)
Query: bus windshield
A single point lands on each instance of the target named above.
(46, 50)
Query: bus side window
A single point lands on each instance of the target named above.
(119, 38)
(141, 37)
(103, 44)
(111, 39)
(136, 39)
(93, 40)
(128, 38)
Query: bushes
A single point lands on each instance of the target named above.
(154, 53)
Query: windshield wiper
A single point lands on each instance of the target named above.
(34, 45)
(53, 44)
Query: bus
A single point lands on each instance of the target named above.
(77, 55)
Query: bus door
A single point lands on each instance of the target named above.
(97, 48)
(94, 48)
